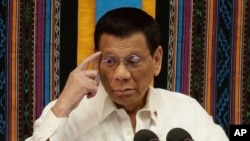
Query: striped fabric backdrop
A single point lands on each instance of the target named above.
(206, 47)
(29, 47)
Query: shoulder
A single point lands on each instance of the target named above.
(165, 99)
(170, 95)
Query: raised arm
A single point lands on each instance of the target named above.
(80, 83)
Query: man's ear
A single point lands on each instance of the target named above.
(158, 60)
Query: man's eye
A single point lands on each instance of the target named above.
(109, 60)
(134, 60)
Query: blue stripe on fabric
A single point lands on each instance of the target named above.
(225, 38)
(4, 69)
(47, 52)
(102, 6)
(179, 46)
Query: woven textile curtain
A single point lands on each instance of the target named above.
(206, 46)
(29, 56)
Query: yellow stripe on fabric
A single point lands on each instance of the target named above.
(237, 60)
(86, 24)
(149, 7)
(209, 58)
(13, 110)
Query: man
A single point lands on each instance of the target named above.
(115, 101)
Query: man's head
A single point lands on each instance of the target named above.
(125, 21)
(128, 39)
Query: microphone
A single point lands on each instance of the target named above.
(178, 134)
(145, 135)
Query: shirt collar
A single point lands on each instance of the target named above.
(151, 102)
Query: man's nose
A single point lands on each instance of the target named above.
(121, 72)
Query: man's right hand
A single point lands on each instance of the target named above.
(81, 82)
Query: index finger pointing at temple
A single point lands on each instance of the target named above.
(85, 63)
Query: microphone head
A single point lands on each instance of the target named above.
(178, 134)
(145, 135)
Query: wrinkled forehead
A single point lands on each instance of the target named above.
(134, 42)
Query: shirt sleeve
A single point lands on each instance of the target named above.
(208, 129)
(48, 126)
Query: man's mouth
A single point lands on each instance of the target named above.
(126, 91)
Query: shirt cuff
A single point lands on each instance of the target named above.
(50, 127)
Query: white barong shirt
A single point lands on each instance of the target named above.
(98, 119)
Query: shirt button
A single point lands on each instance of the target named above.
(128, 133)
(50, 129)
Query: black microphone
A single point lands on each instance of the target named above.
(145, 135)
(178, 134)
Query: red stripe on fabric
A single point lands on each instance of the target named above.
(39, 59)
(186, 47)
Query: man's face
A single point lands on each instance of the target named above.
(127, 68)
